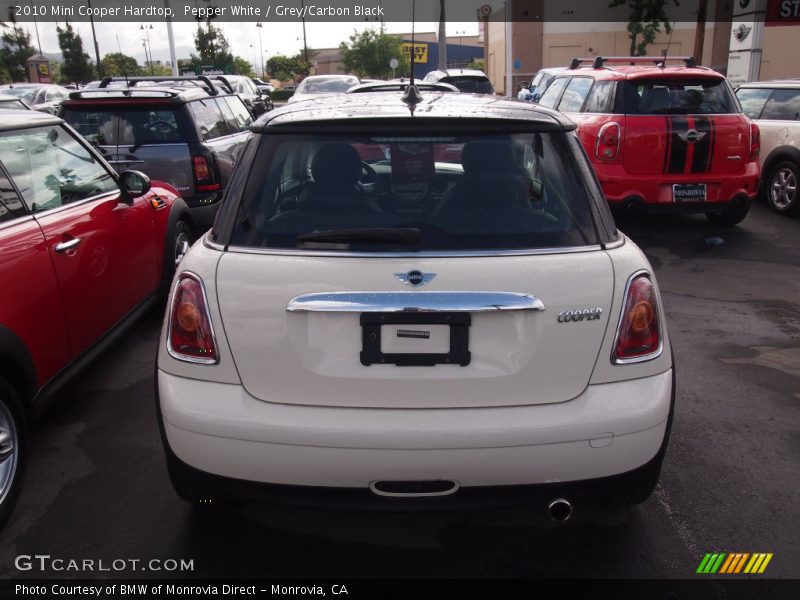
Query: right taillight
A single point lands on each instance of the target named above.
(639, 333)
(203, 175)
(755, 141)
(191, 336)
(606, 146)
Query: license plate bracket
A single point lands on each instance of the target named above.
(689, 192)
(459, 353)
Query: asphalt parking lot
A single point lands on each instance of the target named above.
(97, 485)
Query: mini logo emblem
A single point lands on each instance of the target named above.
(415, 278)
(692, 136)
(741, 32)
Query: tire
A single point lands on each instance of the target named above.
(13, 448)
(780, 188)
(180, 240)
(733, 215)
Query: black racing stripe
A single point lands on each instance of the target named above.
(679, 148)
(702, 156)
(668, 145)
(712, 133)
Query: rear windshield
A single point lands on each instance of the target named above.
(399, 192)
(665, 96)
(108, 127)
(474, 85)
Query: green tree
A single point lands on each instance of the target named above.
(285, 68)
(241, 66)
(116, 64)
(645, 20)
(368, 53)
(212, 48)
(15, 52)
(76, 65)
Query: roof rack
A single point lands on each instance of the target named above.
(598, 62)
(400, 86)
(132, 81)
(98, 93)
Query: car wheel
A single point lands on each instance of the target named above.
(13, 448)
(781, 188)
(733, 215)
(181, 240)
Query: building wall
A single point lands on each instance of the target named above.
(781, 55)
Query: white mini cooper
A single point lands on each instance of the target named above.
(415, 301)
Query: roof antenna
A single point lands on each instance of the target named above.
(411, 96)
(666, 50)
(125, 70)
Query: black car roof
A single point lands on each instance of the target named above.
(20, 119)
(389, 106)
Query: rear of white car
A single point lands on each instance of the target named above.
(415, 311)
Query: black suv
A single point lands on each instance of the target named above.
(184, 131)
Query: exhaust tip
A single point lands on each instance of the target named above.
(560, 510)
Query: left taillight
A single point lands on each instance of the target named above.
(755, 141)
(639, 334)
(606, 146)
(191, 335)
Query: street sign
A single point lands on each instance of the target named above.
(394, 63)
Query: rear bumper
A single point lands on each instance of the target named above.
(220, 434)
(655, 192)
(203, 210)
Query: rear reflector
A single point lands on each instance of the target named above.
(606, 146)
(639, 334)
(191, 336)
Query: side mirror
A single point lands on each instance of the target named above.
(134, 184)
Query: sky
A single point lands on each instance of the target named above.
(276, 38)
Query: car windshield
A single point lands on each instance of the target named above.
(474, 85)
(413, 192)
(681, 96)
(335, 85)
(26, 93)
(111, 125)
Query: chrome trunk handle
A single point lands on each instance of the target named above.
(366, 302)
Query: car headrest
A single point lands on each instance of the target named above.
(336, 166)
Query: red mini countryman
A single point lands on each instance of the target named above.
(661, 137)
(84, 252)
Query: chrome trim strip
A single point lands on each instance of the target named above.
(16, 221)
(57, 209)
(369, 302)
(422, 254)
(644, 357)
(174, 353)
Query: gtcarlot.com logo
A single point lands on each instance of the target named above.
(46, 562)
(734, 563)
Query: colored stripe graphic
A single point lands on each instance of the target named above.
(702, 147)
(733, 563)
(678, 148)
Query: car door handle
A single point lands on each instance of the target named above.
(366, 302)
(68, 245)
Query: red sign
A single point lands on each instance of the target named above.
(782, 12)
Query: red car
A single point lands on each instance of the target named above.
(84, 252)
(660, 137)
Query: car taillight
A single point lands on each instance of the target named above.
(755, 141)
(203, 175)
(639, 334)
(191, 337)
(606, 146)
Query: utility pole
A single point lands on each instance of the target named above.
(700, 31)
(302, 15)
(172, 59)
(261, 49)
(94, 37)
(442, 37)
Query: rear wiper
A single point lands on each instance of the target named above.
(374, 235)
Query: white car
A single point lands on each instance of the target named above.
(415, 300)
(321, 86)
